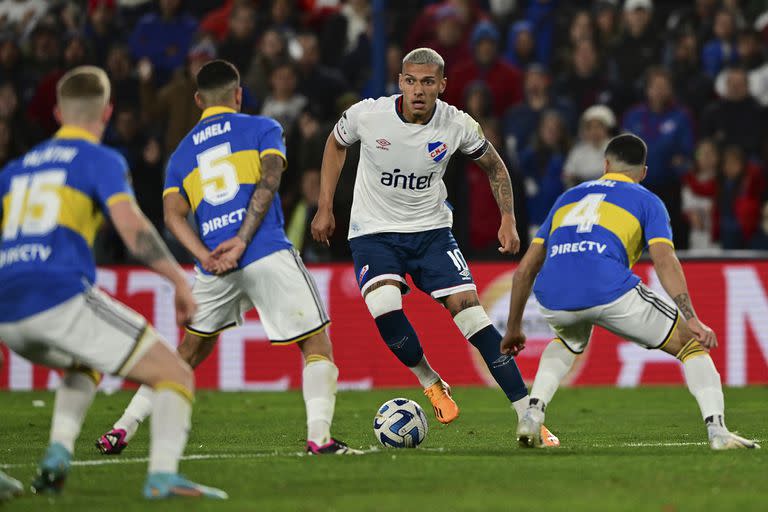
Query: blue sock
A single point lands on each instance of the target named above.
(400, 337)
(502, 367)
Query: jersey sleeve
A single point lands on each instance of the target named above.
(473, 142)
(271, 141)
(347, 129)
(113, 181)
(656, 224)
(174, 178)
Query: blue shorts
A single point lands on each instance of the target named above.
(432, 258)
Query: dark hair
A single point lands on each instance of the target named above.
(628, 148)
(216, 74)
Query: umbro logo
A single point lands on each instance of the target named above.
(383, 144)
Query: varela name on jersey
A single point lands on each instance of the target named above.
(399, 185)
(216, 168)
(602, 225)
(53, 202)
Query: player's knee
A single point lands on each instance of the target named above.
(384, 300)
(472, 320)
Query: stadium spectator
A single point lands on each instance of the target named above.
(759, 242)
(42, 58)
(125, 84)
(503, 79)
(10, 61)
(356, 14)
(607, 27)
(542, 166)
(638, 49)
(521, 45)
(216, 22)
(173, 105)
(737, 118)
(667, 129)
(164, 38)
(316, 83)
(284, 103)
(582, 83)
(283, 17)
(586, 159)
(741, 187)
(101, 28)
(580, 29)
(520, 121)
(272, 48)
(690, 83)
(21, 16)
(697, 19)
(478, 101)
(22, 134)
(422, 28)
(449, 40)
(720, 51)
(699, 194)
(241, 38)
(542, 14)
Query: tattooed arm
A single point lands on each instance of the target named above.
(501, 186)
(145, 244)
(672, 278)
(230, 251)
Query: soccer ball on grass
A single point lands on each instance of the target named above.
(400, 423)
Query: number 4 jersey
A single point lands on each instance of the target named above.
(216, 167)
(53, 202)
(593, 235)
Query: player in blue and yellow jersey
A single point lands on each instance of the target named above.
(227, 171)
(583, 255)
(53, 200)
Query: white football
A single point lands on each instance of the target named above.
(400, 423)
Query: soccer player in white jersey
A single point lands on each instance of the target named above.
(401, 224)
(227, 171)
(53, 201)
(581, 260)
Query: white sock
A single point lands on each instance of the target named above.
(426, 375)
(556, 361)
(137, 411)
(73, 398)
(171, 414)
(704, 384)
(319, 389)
(520, 406)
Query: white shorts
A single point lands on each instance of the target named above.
(90, 329)
(639, 316)
(280, 288)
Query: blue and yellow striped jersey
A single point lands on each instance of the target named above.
(53, 201)
(216, 168)
(594, 234)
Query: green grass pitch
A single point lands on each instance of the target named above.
(623, 449)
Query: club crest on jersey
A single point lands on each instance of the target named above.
(361, 275)
(437, 150)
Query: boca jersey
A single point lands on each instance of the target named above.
(216, 168)
(593, 235)
(53, 201)
(399, 185)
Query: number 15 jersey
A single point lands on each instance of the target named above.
(216, 168)
(593, 235)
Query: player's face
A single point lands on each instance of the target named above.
(421, 84)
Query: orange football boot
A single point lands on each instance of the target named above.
(445, 408)
(548, 439)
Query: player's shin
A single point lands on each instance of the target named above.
(171, 413)
(556, 361)
(478, 329)
(73, 398)
(386, 307)
(319, 388)
(703, 380)
(139, 409)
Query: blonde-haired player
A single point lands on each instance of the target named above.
(53, 201)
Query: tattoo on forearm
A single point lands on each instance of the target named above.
(683, 302)
(498, 175)
(149, 248)
(261, 200)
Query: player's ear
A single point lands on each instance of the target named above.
(400, 81)
(199, 101)
(57, 114)
(645, 172)
(239, 97)
(107, 112)
(607, 166)
(443, 84)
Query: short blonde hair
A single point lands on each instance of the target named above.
(83, 93)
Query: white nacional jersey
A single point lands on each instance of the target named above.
(399, 186)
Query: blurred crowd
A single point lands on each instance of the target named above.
(550, 81)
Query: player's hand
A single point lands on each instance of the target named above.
(323, 226)
(185, 303)
(703, 333)
(228, 254)
(513, 342)
(508, 238)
